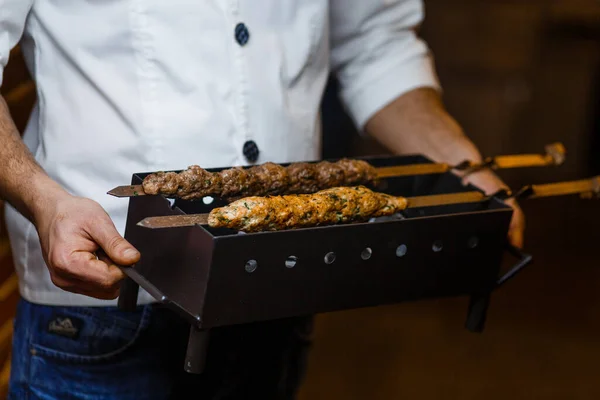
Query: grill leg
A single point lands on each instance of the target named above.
(128, 295)
(476, 316)
(195, 358)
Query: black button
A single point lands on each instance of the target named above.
(251, 151)
(242, 35)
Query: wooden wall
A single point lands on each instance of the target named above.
(517, 75)
(19, 93)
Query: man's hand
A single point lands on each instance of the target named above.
(490, 183)
(417, 122)
(72, 230)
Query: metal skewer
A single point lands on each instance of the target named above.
(555, 155)
(585, 187)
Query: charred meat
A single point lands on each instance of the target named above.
(260, 180)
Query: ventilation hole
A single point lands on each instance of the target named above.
(366, 253)
(437, 246)
(329, 257)
(207, 200)
(473, 242)
(251, 266)
(291, 261)
(401, 250)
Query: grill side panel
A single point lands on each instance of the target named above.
(450, 255)
(175, 261)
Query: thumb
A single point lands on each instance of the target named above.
(114, 245)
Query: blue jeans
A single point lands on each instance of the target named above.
(95, 353)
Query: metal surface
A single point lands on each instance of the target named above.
(174, 221)
(479, 302)
(429, 252)
(196, 350)
(555, 154)
(523, 258)
(193, 266)
(190, 268)
(127, 191)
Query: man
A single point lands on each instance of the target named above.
(140, 85)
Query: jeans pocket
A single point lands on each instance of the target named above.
(86, 334)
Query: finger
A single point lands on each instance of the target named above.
(517, 225)
(110, 264)
(91, 273)
(78, 286)
(516, 237)
(115, 246)
(102, 271)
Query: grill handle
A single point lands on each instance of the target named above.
(128, 295)
(524, 260)
(479, 302)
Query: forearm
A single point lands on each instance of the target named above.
(23, 183)
(418, 123)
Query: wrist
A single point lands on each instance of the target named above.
(43, 197)
(485, 180)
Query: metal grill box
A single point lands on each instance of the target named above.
(216, 277)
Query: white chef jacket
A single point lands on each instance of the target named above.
(128, 86)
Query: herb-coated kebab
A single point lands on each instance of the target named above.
(329, 206)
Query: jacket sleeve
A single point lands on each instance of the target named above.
(376, 54)
(13, 15)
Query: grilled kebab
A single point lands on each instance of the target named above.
(261, 180)
(329, 206)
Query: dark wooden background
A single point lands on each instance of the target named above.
(19, 93)
(517, 75)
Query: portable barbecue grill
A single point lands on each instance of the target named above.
(216, 277)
